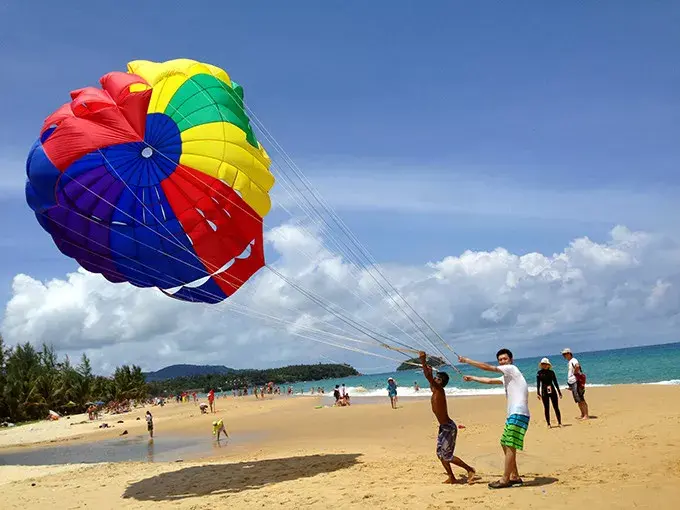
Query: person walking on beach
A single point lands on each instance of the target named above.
(577, 383)
(448, 430)
(517, 421)
(211, 400)
(392, 392)
(149, 423)
(547, 390)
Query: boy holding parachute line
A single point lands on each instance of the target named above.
(448, 430)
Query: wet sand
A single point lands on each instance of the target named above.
(628, 457)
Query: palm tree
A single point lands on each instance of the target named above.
(33, 382)
(23, 368)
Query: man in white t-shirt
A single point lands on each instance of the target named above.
(517, 421)
(576, 382)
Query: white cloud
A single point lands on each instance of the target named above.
(590, 295)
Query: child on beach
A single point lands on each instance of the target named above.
(218, 428)
(448, 430)
(149, 423)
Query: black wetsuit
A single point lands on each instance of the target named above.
(547, 387)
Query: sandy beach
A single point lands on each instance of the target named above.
(301, 456)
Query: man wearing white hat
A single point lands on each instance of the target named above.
(576, 382)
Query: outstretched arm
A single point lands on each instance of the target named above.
(478, 364)
(483, 380)
(427, 370)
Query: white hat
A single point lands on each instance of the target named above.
(566, 351)
(546, 361)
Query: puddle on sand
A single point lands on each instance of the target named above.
(121, 449)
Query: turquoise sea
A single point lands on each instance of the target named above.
(656, 364)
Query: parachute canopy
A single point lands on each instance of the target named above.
(156, 179)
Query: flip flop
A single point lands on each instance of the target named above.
(499, 485)
(519, 481)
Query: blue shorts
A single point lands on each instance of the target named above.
(446, 440)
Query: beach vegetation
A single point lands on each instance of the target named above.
(35, 381)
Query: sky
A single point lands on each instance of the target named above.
(512, 167)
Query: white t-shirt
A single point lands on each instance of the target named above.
(516, 390)
(571, 378)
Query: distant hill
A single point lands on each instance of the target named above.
(186, 371)
(226, 379)
(433, 361)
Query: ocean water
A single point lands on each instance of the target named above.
(656, 364)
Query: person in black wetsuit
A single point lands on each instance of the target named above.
(547, 389)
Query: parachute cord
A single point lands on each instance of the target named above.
(234, 306)
(351, 322)
(198, 291)
(363, 251)
(338, 221)
(210, 266)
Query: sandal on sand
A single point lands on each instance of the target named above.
(499, 485)
(519, 481)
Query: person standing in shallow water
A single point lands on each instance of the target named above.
(547, 390)
(149, 423)
(448, 430)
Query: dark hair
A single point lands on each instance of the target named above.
(444, 377)
(504, 351)
(337, 385)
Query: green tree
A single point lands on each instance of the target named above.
(21, 394)
(32, 382)
(4, 411)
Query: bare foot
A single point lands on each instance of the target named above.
(473, 477)
(451, 480)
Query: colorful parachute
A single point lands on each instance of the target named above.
(155, 179)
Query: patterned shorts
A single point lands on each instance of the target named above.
(515, 428)
(578, 392)
(446, 441)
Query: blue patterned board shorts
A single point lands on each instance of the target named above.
(446, 441)
(515, 429)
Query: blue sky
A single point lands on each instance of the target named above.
(538, 123)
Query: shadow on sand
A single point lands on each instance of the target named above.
(539, 481)
(231, 478)
(529, 480)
